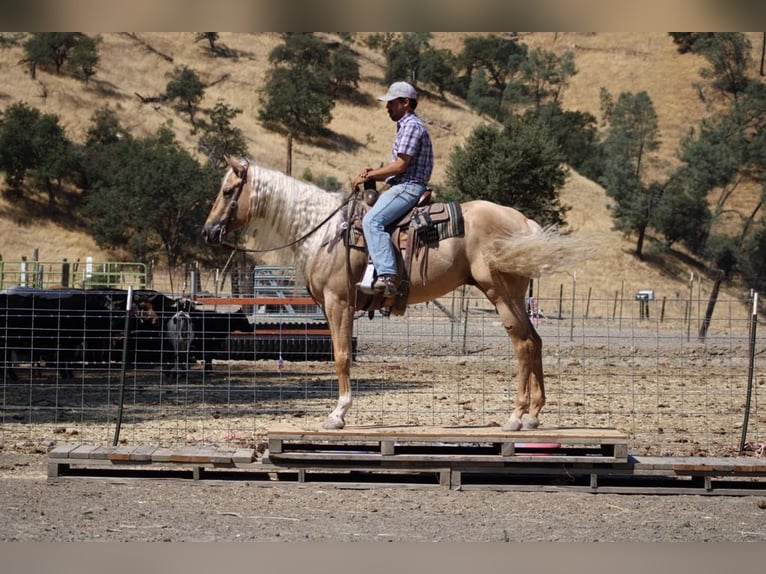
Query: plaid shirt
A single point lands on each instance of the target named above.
(412, 139)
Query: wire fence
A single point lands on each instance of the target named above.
(642, 370)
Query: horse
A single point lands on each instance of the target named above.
(499, 251)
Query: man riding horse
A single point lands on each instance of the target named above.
(408, 172)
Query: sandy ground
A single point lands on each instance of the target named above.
(39, 509)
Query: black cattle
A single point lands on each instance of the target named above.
(148, 345)
(212, 331)
(61, 328)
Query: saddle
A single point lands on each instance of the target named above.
(416, 232)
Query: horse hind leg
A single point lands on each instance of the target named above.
(530, 390)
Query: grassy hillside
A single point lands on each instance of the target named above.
(141, 64)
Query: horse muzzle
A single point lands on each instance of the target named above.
(214, 234)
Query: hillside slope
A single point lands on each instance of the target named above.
(140, 64)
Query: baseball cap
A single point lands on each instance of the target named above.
(399, 90)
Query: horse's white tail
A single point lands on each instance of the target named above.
(543, 250)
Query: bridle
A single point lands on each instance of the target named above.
(231, 211)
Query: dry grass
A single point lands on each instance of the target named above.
(362, 133)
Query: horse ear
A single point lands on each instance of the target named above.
(234, 164)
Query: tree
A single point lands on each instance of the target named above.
(545, 75)
(18, 150)
(500, 59)
(219, 137)
(403, 57)
(148, 197)
(297, 97)
(729, 57)
(105, 128)
(630, 138)
(49, 48)
(438, 67)
(186, 87)
(518, 166)
(85, 57)
(55, 157)
(344, 72)
(576, 136)
(480, 96)
(34, 146)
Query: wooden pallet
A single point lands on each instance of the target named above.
(62, 458)
(734, 476)
(638, 475)
(197, 463)
(451, 445)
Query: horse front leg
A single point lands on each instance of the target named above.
(340, 318)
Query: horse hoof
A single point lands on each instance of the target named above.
(513, 424)
(333, 423)
(530, 423)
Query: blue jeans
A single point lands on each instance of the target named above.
(391, 205)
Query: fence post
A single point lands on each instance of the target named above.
(753, 325)
(65, 273)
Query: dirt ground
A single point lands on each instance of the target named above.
(150, 510)
(448, 384)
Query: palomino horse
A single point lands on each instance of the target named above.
(498, 253)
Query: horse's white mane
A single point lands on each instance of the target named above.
(283, 209)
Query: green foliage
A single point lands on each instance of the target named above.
(686, 40)
(631, 137)
(84, 57)
(438, 67)
(403, 57)
(545, 75)
(344, 72)
(729, 56)
(679, 215)
(727, 151)
(186, 87)
(499, 60)
(18, 149)
(576, 136)
(34, 146)
(297, 98)
(481, 97)
(43, 48)
(104, 128)
(518, 166)
(219, 137)
(148, 197)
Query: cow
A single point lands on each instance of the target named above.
(61, 327)
(213, 330)
(180, 332)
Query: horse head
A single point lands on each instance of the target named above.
(229, 213)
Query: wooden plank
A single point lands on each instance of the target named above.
(222, 456)
(101, 452)
(451, 434)
(162, 454)
(193, 455)
(243, 456)
(62, 451)
(121, 454)
(142, 453)
(82, 451)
